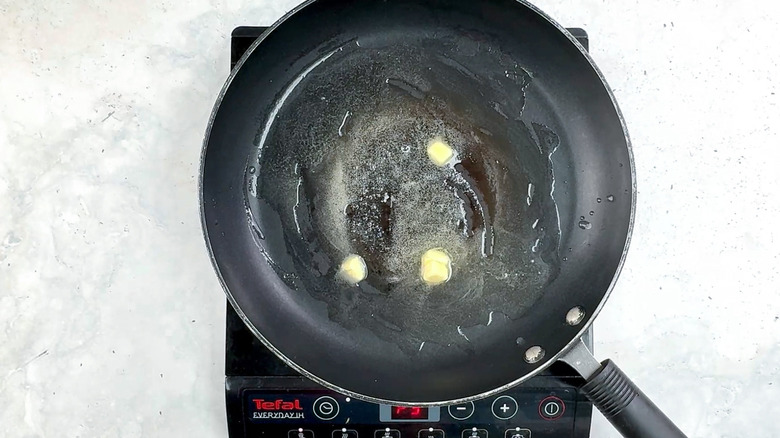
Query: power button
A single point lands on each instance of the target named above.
(551, 408)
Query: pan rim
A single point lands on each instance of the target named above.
(316, 379)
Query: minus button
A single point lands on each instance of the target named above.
(462, 411)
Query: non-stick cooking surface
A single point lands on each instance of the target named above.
(341, 173)
(317, 150)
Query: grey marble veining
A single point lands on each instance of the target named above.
(111, 319)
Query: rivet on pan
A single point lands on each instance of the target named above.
(534, 354)
(575, 315)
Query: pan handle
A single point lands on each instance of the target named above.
(616, 396)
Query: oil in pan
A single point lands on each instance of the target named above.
(344, 175)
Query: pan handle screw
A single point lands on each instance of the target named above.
(534, 354)
(575, 315)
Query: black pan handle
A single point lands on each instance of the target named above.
(619, 399)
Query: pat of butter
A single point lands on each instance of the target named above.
(353, 269)
(440, 152)
(435, 267)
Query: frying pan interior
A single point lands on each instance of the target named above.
(325, 122)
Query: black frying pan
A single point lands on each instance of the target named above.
(316, 149)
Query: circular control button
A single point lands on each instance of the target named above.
(326, 408)
(551, 408)
(463, 411)
(504, 407)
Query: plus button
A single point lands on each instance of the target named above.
(504, 407)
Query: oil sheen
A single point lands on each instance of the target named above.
(341, 168)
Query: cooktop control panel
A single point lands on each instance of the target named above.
(300, 412)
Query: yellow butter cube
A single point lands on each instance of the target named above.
(440, 152)
(435, 267)
(353, 269)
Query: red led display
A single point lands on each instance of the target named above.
(408, 413)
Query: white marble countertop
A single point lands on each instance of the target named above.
(111, 319)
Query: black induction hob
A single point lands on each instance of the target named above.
(266, 398)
